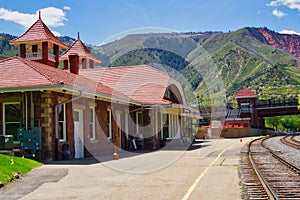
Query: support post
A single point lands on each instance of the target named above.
(23, 50)
(45, 52)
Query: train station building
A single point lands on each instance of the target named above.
(55, 103)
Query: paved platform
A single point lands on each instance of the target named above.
(207, 170)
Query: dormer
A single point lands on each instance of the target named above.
(86, 59)
(38, 43)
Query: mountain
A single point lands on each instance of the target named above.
(212, 62)
(209, 64)
(6, 50)
(285, 42)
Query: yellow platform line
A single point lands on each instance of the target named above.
(191, 189)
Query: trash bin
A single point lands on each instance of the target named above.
(6, 142)
(163, 142)
(65, 151)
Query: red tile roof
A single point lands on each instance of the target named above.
(17, 72)
(245, 92)
(78, 48)
(140, 83)
(38, 32)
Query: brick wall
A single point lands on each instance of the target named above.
(44, 116)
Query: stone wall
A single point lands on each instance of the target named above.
(46, 114)
(236, 132)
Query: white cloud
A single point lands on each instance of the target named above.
(278, 13)
(292, 4)
(291, 32)
(20, 18)
(53, 17)
(57, 34)
(67, 8)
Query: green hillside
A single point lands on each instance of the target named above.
(6, 50)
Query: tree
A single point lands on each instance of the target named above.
(274, 121)
(297, 122)
(288, 123)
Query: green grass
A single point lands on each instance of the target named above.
(11, 164)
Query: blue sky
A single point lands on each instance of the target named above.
(99, 20)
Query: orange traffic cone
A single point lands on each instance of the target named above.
(116, 156)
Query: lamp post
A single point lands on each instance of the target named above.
(200, 100)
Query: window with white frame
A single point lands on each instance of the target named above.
(170, 126)
(139, 123)
(175, 126)
(61, 122)
(12, 118)
(109, 124)
(92, 123)
(126, 123)
(156, 124)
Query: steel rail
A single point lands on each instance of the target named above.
(293, 144)
(268, 188)
(281, 159)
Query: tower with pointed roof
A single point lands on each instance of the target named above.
(39, 44)
(85, 57)
(246, 96)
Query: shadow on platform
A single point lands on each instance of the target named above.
(109, 156)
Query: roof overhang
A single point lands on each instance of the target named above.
(63, 58)
(72, 91)
(245, 97)
(172, 105)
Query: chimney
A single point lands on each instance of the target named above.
(74, 63)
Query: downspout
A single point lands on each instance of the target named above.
(23, 110)
(26, 111)
(32, 110)
(56, 120)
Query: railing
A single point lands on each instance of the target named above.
(39, 56)
(277, 102)
(34, 56)
(51, 57)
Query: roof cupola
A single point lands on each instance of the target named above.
(85, 57)
(38, 43)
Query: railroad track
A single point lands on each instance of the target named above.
(252, 187)
(279, 179)
(291, 141)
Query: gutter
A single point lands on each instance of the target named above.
(56, 120)
(30, 88)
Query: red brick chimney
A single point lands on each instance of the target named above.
(74, 63)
